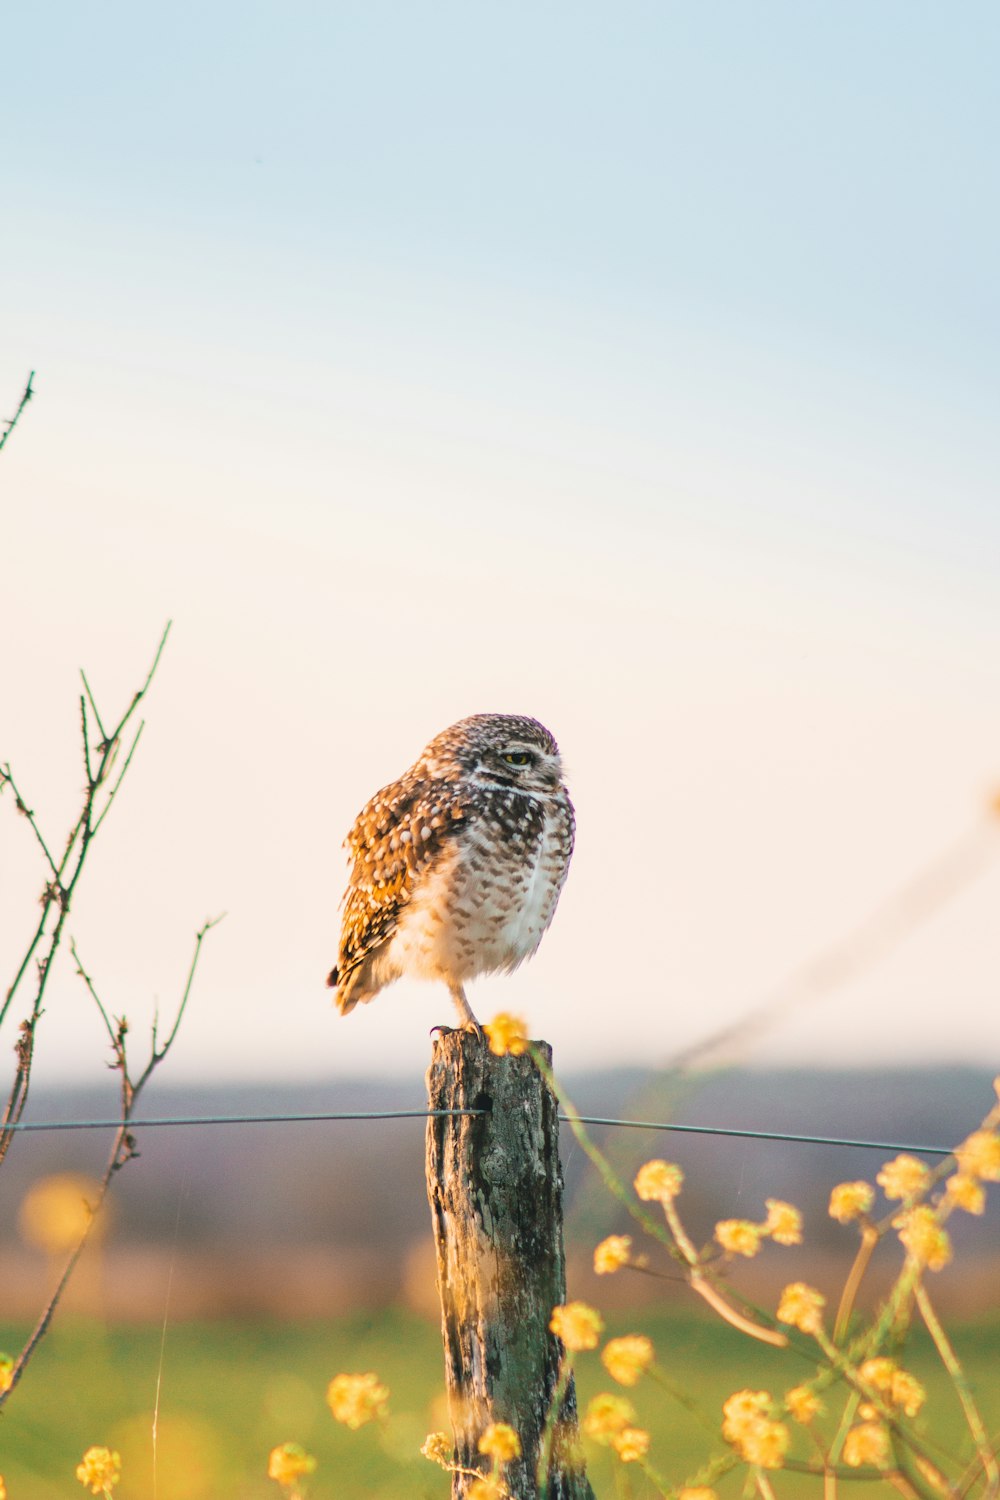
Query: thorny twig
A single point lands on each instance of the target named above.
(12, 422)
(57, 896)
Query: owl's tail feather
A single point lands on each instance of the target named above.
(348, 989)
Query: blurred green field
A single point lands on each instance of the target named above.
(229, 1392)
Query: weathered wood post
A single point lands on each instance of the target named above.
(494, 1182)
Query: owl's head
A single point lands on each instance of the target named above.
(505, 750)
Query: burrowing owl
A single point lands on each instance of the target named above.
(456, 868)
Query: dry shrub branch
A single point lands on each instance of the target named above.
(107, 755)
(11, 422)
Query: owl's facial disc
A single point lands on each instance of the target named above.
(522, 765)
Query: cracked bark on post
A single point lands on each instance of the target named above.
(494, 1183)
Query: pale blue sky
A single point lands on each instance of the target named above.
(635, 366)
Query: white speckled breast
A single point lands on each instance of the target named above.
(486, 907)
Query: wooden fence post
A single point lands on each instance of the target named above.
(494, 1182)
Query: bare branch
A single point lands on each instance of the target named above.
(158, 1056)
(7, 779)
(12, 422)
(60, 899)
(121, 776)
(93, 993)
(138, 697)
(90, 699)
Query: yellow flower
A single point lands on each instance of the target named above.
(979, 1156)
(612, 1253)
(631, 1444)
(903, 1177)
(967, 1192)
(924, 1237)
(744, 1408)
(849, 1200)
(765, 1444)
(356, 1399)
(783, 1223)
(578, 1325)
(6, 1372)
(500, 1442)
(625, 1359)
(606, 1416)
(507, 1033)
(879, 1372)
(803, 1404)
(698, 1492)
(289, 1462)
(100, 1469)
(802, 1306)
(867, 1444)
(437, 1447)
(490, 1487)
(907, 1393)
(752, 1431)
(3, 1489)
(658, 1181)
(738, 1236)
(898, 1386)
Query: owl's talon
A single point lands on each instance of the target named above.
(444, 1030)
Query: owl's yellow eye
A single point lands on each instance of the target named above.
(517, 758)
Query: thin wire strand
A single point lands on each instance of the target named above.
(436, 1114)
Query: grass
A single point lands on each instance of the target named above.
(230, 1391)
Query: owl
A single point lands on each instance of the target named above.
(456, 868)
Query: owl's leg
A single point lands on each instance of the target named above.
(469, 1022)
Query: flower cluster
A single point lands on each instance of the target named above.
(438, 1448)
(903, 1178)
(356, 1399)
(979, 1155)
(738, 1236)
(744, 1237)
(658, 1181)
(868, 1443)
(627, 1358)
(613, 1253)
(99, 1470)
(803, 1404)
(978, 1160)
(578, 1325)
(923, 1235)
(607, 1415)
(288, 1463)
(487, 1487)
(507, 1034)
(501, 1442)
(757, 1436)
(611, 1421)
(851, 1200)
(897, 1386)
(802, 1307)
